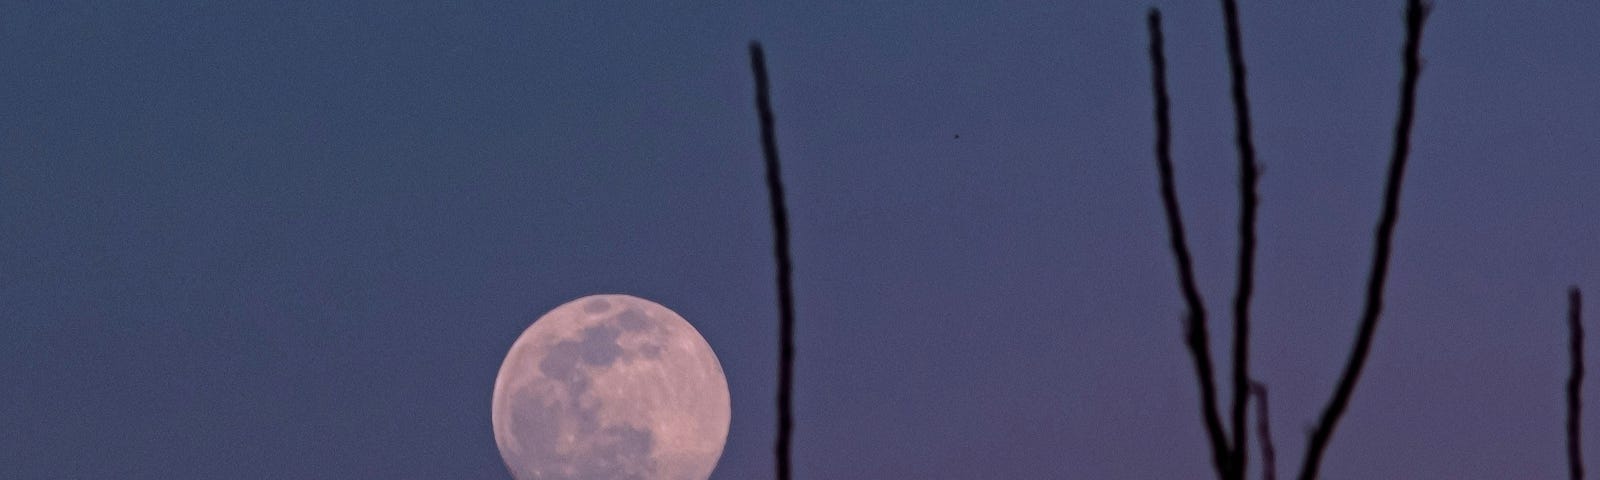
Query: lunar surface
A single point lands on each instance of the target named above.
(611, 387)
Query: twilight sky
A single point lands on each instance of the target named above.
(296, 240)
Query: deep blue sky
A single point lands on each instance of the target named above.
(296, 240)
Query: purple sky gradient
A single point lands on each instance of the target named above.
(296, 241)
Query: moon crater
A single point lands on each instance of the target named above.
(611, 387)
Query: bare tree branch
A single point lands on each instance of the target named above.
(1575, 383)
(1269, 456)
(1247, 238)
(1416, 15)
(780, 231)
(1195, 325)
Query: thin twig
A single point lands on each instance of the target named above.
(1416, 14)
(1575, 383)
(1247, 238)
(780, 231)
(1269, 456)
(1195, 327)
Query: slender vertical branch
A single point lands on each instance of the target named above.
(1575, 383)
(1195, 326)
(1269, 456)
(1247, 237)
(1416, 15)
(780, 231)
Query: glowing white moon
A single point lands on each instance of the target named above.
(611, 387)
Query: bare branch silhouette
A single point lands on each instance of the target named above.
(780, 231)
(1575, 383)
(1416, 15)
(1247, 238)
(1269, 456)
(1195, 325)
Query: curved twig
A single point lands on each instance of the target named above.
(1575, 383)
(1269, 455)
(1195, 326)
(780, 231)
(1416, 15)
(1248, 175)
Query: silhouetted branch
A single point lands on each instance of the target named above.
(1575, 383)
(1195, 327)
(1247, 238)
(1269, 456)
(780, 231)
(1416, 14)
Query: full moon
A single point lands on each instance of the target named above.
(611, 387)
